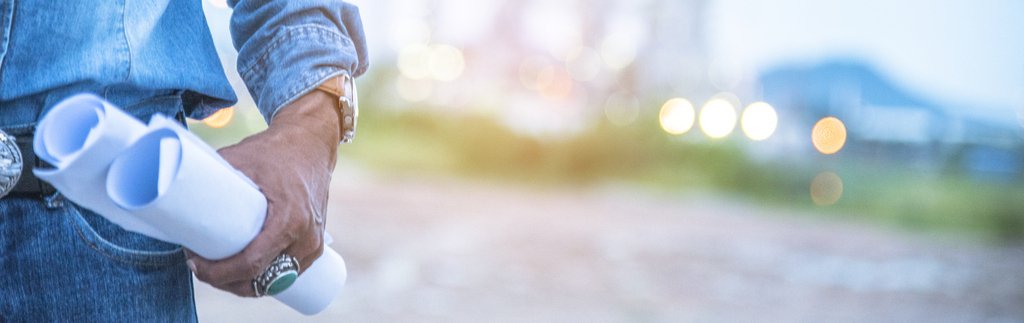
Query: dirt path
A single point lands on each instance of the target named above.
(424, 250)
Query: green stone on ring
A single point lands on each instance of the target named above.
(282, 282)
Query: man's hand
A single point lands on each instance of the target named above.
(291, 162)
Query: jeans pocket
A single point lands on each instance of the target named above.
(119, 244)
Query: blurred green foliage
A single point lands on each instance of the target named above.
(425, 141)
(476, 145)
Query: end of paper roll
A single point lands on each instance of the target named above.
(318, 286)
(153, 159)
(68, 128)
(80, 136)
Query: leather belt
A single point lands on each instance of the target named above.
(28, 184)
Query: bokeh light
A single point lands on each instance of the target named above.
(439, 62)
(618, 50)
(677, 116)
(220, 118)
(730, 97)
(552, 27)
(584, 64)
(759, 121)
(826, 188)
(828, 135)
(717, 118)
(530, 70)
(622, 109)
(545, 116)
(414, 90)
(555, 83)
(446, 63)
(414, 62)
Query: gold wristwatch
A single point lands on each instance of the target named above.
(344, 87)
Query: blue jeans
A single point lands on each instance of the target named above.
(62, 263)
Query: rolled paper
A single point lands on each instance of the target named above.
(162, 176)
(80, 136)
(204, 206)
(326, 276)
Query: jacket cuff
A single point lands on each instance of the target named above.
(295, 61)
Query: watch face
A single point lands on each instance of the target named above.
(349, 108)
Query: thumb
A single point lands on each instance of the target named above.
(189, 256)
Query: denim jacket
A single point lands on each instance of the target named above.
(138, 51)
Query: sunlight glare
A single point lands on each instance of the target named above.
(828, 135)
(717, 118)
(759, 121)
(676, 116)
(413, 62)
(618, 50)
(220, 118)
(446, 63)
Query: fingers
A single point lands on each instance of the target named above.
(306, 251)
(235, 273)
(296, 194)
(240, 288)
(243, 266)
(219, 273)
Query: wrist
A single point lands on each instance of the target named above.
(343, 88)
(309, 121)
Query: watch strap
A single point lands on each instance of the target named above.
(343, 87)
(333, 87)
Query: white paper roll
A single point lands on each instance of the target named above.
(162, 176)
(318, 285)
(205, 207)
(80, 136)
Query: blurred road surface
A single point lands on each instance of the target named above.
(422, 249)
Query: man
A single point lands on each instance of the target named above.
(61, 262)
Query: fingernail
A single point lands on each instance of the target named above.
(191, 265)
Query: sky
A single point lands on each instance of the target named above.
(967, 53)
(963, 52)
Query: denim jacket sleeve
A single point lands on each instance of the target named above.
(286, 48)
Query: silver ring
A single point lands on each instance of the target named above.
(280, 275)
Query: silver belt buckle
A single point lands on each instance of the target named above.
(11, 163)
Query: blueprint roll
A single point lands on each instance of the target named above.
(80, 136)
(170, 179)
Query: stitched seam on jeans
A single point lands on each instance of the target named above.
(127, 42)
(94, 240)
(95, 246)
